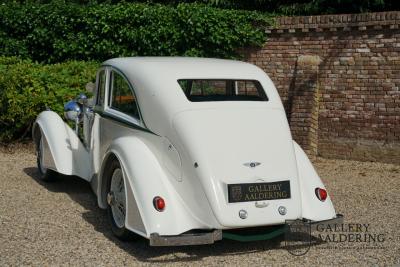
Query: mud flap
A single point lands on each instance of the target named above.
(298, 237)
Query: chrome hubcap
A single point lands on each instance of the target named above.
(116, 198)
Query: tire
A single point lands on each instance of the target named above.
(45, 174)
(116, 200)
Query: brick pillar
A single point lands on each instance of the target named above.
(303, 103)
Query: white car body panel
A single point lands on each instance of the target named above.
(224, 152)
(187, 152)
(312, 209)
(68, 154)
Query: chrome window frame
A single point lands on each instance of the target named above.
(108, 109)
(97, 91)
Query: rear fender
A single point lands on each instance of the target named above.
(312, 208)
(63, 151)
(144, 180)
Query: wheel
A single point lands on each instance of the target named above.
(116, 199)
(45, 174)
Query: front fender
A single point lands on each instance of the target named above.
(312, 208)
(145, 179)
(66, 154)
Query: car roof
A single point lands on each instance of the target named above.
(160, 74)
(177, 65)
(155, 81)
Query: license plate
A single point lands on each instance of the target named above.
(258, 191)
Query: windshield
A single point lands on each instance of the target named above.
(201, 90)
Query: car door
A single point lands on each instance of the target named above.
(99, 102)
(120, 116)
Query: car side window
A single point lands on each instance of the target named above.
(101, 88)
(122, 97)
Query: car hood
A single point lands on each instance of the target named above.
(224, 143)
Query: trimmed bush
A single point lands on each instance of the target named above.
(58, 31)
(27, 88)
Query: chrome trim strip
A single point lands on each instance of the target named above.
(123, 121)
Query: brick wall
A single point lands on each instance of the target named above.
(339, 78)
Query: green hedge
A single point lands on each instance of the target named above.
(27, 88)
(58, 32)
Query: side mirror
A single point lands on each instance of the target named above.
(90, 87)
(72, 111)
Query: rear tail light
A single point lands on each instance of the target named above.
(321, 193)
(159, 203)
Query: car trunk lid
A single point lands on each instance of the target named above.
(243, 147)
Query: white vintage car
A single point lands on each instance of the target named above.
(183, 150)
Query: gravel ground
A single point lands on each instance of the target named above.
(60, 224)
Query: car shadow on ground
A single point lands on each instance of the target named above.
(80, 192)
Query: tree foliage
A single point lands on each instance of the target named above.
(282, 7)
(57, 32)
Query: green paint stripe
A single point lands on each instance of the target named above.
(257, 237)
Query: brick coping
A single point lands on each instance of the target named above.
(346, 22)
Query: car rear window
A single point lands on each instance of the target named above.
(202, 90)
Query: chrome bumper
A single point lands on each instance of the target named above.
(337, 220)
(312, 225)
(185, 239)
(216, 235)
